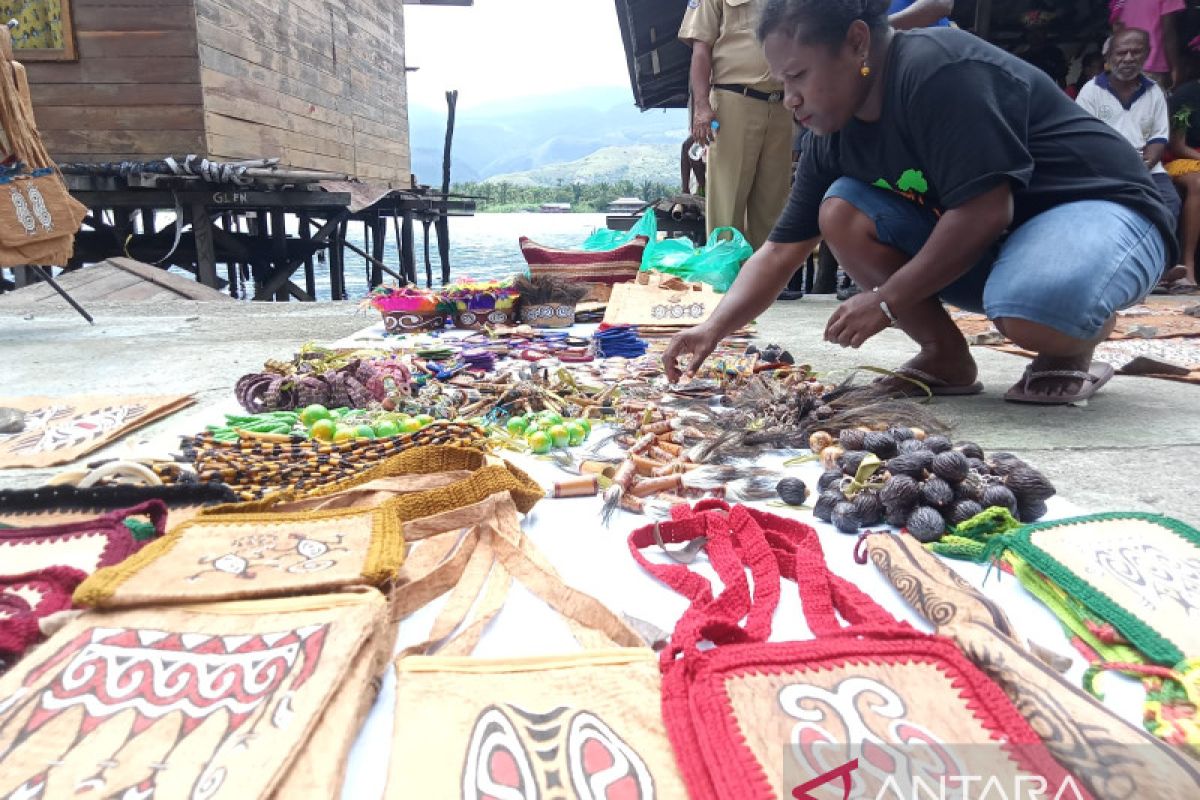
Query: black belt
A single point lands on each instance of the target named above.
(746, 91)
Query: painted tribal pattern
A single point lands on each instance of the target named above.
(59, 428)
(834, 728)
(106, 672)
(516, 754)
(299, 555)
(1155, 576)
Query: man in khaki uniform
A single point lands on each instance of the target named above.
(750, 154)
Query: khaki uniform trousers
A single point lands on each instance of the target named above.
(749, 165)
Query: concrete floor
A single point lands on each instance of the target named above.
(1134, 447)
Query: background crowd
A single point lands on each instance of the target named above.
(1137, 68)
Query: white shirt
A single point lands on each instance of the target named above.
(1145, 121)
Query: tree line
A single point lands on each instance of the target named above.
(502, 196)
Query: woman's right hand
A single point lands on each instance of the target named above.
(696, 343)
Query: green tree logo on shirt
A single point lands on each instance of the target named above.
(911, 181)
(912, 184)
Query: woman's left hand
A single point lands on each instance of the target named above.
(856, 320)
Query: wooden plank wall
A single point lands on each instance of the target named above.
(135, 91)
(318, 83)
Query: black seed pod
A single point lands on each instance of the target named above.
(910, 464)
(951, 466)
(1004, 463)
(936, 492)
(1029, 485)
(901, 492)
(1031, 511)
(978, 465)
(938, 444)
(970, 488)
(999, 496)
(901, 433)
(926, 524)
(852, 460)
(897, 517)
(829, 479)
(823, 508)
(852, 439)
(963, 510)
(868, 508)
(792, 491)
(881, 444)
(844, 518)
(910, 446)
(970, 450)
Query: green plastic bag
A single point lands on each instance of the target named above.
(717, 263)
(606, 239)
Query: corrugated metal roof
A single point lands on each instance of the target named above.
(658, 61)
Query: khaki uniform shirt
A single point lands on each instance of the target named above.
(729, 27)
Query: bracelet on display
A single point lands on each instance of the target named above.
(886, 309)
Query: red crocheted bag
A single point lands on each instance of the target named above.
(870, 706)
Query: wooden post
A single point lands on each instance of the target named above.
(408, 249)
(310, 276)
(378, 242)
(337, 264)
(426, 221)
(206, 253)
(279, 240)
(443, 220)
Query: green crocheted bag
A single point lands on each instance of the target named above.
(1140, 573)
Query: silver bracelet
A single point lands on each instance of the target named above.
(887, 311)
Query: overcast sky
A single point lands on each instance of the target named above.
(504, 49)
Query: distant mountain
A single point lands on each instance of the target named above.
(522, 136)
(637, 163)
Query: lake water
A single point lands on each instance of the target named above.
(483, 246)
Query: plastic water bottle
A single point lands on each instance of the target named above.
(698, 151)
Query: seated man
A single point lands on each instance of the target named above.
(1132, 104)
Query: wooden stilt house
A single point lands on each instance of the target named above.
(319, 84)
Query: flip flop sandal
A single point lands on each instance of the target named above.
(1098, 374)
(937, 386)
(1182, 288)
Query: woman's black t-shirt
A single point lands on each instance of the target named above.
(960, 116)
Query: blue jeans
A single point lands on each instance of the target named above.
(1070, 268)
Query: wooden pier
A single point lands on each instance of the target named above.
(260, 242)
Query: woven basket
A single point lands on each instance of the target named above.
(474, 320)
(548, 315)
(399, 322)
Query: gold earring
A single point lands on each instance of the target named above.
(865, 71)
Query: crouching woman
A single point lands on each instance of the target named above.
(945, 170)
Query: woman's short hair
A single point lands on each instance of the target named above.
(820, 21)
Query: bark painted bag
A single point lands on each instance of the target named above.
(873, 705)
(581, 725)
(231, 700)
(350, 535)
(38, 216)
(1080, 731)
